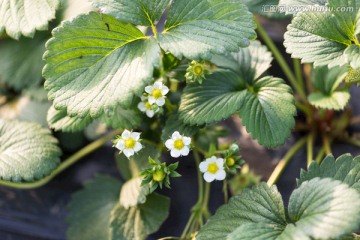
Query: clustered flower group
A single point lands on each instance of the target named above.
(153, 99)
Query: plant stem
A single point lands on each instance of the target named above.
(327, 144)
(310, 148)
(320, 155)
(285, 161)
(281, 60)
(353, 141)
(65, 164)
(225, 190)
(298, 72)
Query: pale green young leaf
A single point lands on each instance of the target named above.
(250, 63)
(23, 17)
(345, 169)
(139, 222)
(90, 209)
(260, 204)
(352, 54)
(95, 62)
(27, 151)
(325, 209)
(174, 123)
(60, 121)
(199, 28)
(21, 62)
(138, 12)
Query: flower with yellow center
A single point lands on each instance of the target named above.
(129, 143)
(157, 93)
(213, 169)
(146, 107)
(178, 145)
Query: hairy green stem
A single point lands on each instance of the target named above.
(320, 155)
(280, 167)
(298, 72)
(65, 164)
(310, 148)
(281, 60)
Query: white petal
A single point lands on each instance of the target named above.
(220, 163)
(149, 89)
(220, 175)
(203, 166)
(184, 151)
(186, 140)
(164, 90)
(135, 135)
(141, 106)
(176, 135)
(158, 85)
(209, 177)
(120, 145)
(169, 144)
(150, 113)
(175, 153)
(126, 134)
(160, 101)
(211, 160)
(151, 100)
(128, 152)
(137, 147)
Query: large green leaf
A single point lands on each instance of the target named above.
(21, 62)
(267, 108)
(267, 8)
(345, 169)
(322, 37)
(138, 223)
(90, 209)
(122, 118)
(27, 151)
(173, 124)
(24, 17)
(295, 6)
(138, 12)
(95, 62)
(198, 28)
(326, 82)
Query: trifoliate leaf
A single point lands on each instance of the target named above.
(321, 37)
(198, 28)
(95, 62)
(138, 12)
(132, 193)
(27, 151)
(131, 168)
(90, 209)
(260, 204)
(322, 209)
(60, 121)
(345, 169)
(21, 62)
(121, 118)
(352, 54)
(174, 123)
(22, 17)
(250, 63)
(139, 222)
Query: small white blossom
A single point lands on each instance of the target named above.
(213, 169)
(129, 143)
(179, 145)
(157, 93)
(146, 107)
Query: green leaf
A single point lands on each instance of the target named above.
(90, 209)
(138, 12)
(198, 28)
(322, 37)
(60, 121)
(27, 151)
(95, 62)
(325, 209)
(131, 168)
(24, 17)
(21, 62)
(345, 169)
(260, 204)
(256, 231)
(173, 124)
(138, 223)
(132, 193)
(250, 63)
(34, 111)
(352, 54)
(265, 8)
(335, 101)
(292, 6)
(122, 118)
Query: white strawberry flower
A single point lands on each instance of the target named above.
(129, 143)
(178, 145)
(213, 169)
(146, 107)
(157, 93)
